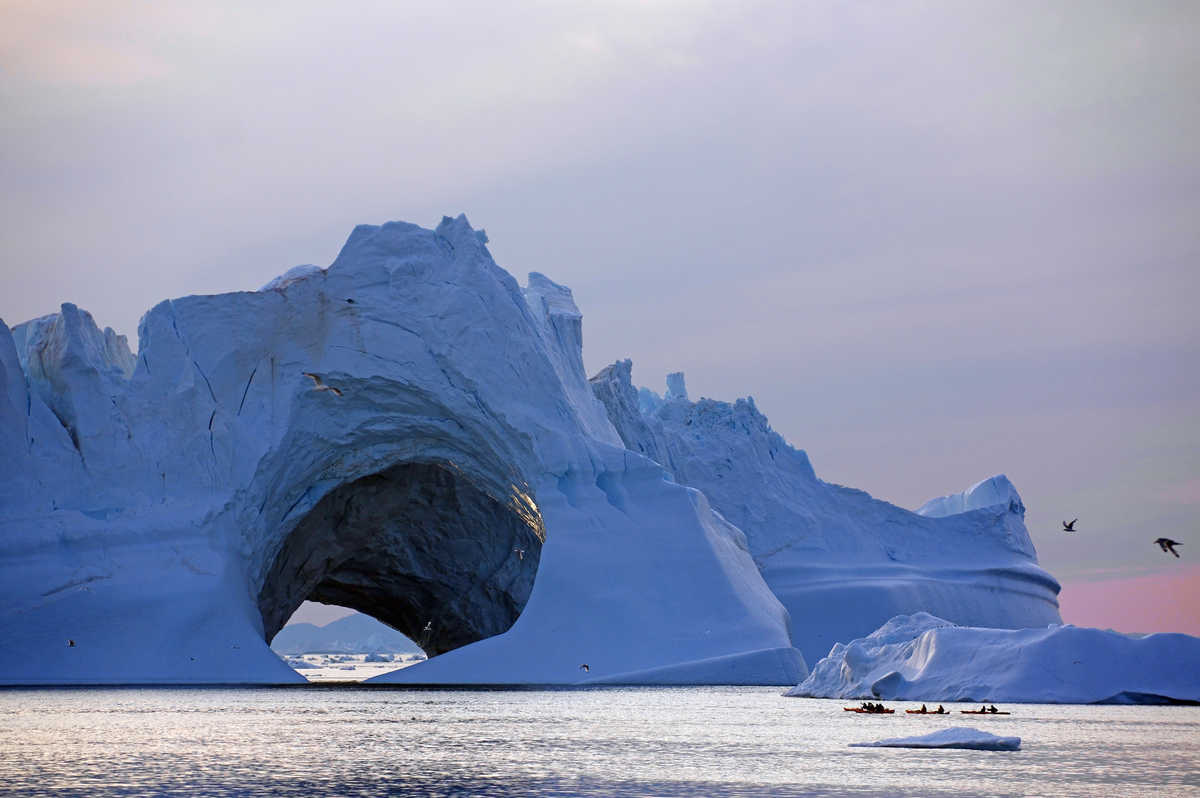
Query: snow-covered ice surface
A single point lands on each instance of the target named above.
(412, 434)
(954, 737)
(925, 658)
(841, 562)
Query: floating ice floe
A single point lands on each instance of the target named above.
(954, 737)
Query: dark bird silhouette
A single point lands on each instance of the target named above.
(1166, 544)
(319, 385)
(70, 644)
(520, 553)
(584, 667)
(1069, 527)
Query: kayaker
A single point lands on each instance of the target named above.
(924, 710)
(993, 709)
(941, 710)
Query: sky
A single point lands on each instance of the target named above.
(936, 241)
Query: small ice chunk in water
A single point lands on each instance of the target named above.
(954, 737)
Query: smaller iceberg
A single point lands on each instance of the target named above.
(921, 657)
(954, 737)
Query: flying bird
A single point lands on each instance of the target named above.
(1069, 527)
(319, 385)
(584, 667)
(428, 626)
(70, 644)
(1166, 544)
(520, 553)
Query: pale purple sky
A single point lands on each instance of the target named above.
(936, 241)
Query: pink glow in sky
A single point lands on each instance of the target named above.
(1158, 603)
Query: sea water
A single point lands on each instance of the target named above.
(688, 741)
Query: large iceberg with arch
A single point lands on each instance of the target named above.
(412, 434)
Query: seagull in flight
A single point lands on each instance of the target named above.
(1166, 544)
(584, 667)
(520, 553)
(70, 644)
(319, 385)
(1069, 527)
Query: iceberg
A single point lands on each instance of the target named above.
(924, 658)
(954, 737)
(841, 561)
(410, 433)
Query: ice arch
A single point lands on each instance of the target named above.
(372, 433)
(419, 546)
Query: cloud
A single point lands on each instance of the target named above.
(79, 45)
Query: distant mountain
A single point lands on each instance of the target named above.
(354, 634)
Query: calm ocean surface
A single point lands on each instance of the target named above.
(349, 740)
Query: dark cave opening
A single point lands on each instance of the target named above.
(419, 547)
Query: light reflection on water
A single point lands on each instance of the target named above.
(608, 741)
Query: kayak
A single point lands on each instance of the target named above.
(926, 712)
(977, 712)
(870, 711)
